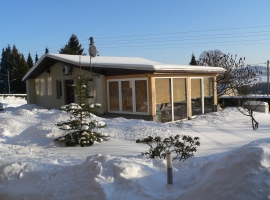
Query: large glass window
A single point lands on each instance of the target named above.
(127, 99)
(171, 99)
(133, 95)
(114, 95)
(208, 95)
(141, 96)
(179, 98)
(163, 99)
(196, 98)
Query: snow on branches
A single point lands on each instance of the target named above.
(80, 127)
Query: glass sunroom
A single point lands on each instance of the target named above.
(164, 99)
(128, 96)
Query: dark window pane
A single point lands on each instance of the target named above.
(179, 98)
(196, 99)
(141, 96)
(163, 98)
(114, 96)
(208, 95)
(127, 104)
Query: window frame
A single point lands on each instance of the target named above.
(59, 89)
(203, 96)
(172, 95)
(133, 96)
(202, 89)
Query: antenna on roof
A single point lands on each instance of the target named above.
(92, 53)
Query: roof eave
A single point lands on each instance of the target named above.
(184, 71)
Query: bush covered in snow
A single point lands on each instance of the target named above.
(182, 149)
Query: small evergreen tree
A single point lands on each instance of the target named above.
(80, 127)
(29, 61)
(193, 60)
(73, 47)
(46, 50)
(36, 58)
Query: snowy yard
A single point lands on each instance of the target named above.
(233, 161)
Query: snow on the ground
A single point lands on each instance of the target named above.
(233, 161)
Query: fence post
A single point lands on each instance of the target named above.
(169, 168)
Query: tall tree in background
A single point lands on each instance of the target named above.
(36, 58)
(246, 97)
(46, 50)
(29, 61)
(4, 69)
(211, 58)
(239, 81)
(227, 82)
(22, 68)
(13, 67)
(73, 47)
(193, 60)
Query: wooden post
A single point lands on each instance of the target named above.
(106, 95)
(152, 96)
(189, 109)
(215, 93)
(169, 168)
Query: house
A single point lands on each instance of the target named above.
(125, 86)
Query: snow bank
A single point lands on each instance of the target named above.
(233, 161)
(241, 174)
(14, 101)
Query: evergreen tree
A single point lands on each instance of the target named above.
(193, 60)
(4, 68)
(73, 47)
(79, 129)
(30, 62)
(36, 58)
(19, 87)
(13, 65)
(13, 68)
(46, 50)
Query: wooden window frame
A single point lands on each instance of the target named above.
(171, 92)
(59, 89)
(133, 96)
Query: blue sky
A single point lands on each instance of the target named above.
(163, 31)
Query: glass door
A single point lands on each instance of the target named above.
(179, 98)
(196, 96)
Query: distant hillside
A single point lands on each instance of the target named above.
(260, 68)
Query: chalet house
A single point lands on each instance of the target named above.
(125, 86)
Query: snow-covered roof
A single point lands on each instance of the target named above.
(103, 60)
(129, 63)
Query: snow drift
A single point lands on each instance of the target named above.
(233, 161)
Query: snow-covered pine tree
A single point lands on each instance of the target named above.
(79, 127)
